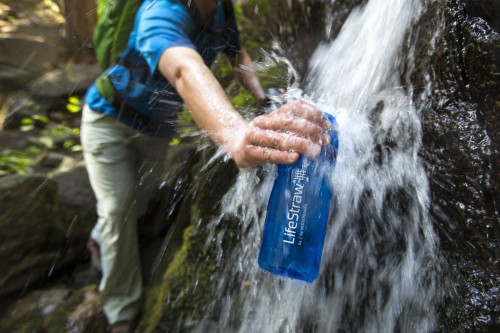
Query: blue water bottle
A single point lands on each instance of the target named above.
(297, 214)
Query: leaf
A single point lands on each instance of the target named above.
(27, 121)
(27, 128)
(61, 130)
(68, 144)
(174, 142)
(72, 108)
(47, 141)
(17, 161)
(76, 148)
(74, 100)
(40, 118)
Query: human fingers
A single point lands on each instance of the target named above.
(293, 125)
(284, 141)
(307, 111)
(305, 123)
(253, 156)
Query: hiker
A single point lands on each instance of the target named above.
(130, 116)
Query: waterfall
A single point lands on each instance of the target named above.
(380, 262)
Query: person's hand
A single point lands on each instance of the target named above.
(281, 136)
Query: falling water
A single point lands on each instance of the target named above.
(380, 260)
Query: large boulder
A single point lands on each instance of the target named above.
(44, 225)
(27, 220)
(461, 141)
(65, 81)
(76, 206)
(23, 58)
(461, 138)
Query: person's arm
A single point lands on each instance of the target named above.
(279, 137)
(243, 69)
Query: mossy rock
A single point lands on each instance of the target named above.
(177, 298)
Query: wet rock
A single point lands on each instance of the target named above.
(65, 82)
(25, 230)
(461, 154)
(87, 316)
(461, 137)
(473, 301)
(77, 210)
(22, 106)
(486, 9)
(56, 310)
(44, 225)
(185, 263)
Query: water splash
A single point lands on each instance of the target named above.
(380, 260)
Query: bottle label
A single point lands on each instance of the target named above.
(297, 208)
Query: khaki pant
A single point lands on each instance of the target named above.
(124, 168)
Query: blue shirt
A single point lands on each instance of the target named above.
(152, 102)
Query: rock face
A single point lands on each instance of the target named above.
(44, 225)
(65, 81)
(25, 250)
(461, 152)
(25, 55)
(463, 123)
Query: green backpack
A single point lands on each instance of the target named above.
(114, 24)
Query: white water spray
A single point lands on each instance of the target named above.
(380, 257)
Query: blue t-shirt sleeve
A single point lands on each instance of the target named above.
(161, 25)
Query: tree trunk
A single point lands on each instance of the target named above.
(80, 22)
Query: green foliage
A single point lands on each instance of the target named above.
(18, 161)
(177, 271)
(28, 124)
(186, 125)
(274, 74)
(101, 5)
(62, 131)
(243, 99)
(74, 104)
(49, 136)
(47, 141)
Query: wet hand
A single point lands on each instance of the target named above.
(281, 136)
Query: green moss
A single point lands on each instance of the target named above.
(186, 286)
(155, 302)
